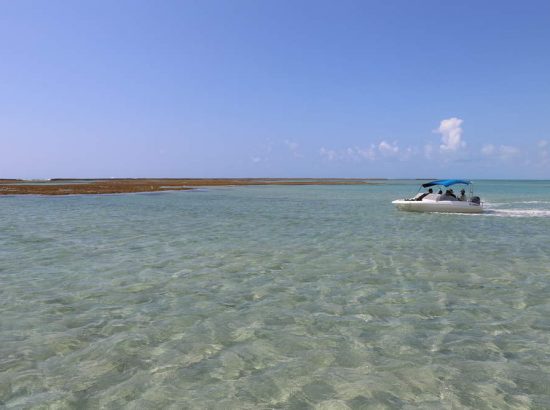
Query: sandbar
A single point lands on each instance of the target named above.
(131, 185)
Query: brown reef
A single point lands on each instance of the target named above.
(119, 186)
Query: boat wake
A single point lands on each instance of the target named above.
(532, 202)
(518, 213)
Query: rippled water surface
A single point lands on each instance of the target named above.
(275, 297)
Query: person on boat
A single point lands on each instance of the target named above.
(450, 193)
(420, 197)
(462, 196)
(440, 192)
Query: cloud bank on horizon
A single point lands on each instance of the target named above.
(452, 149)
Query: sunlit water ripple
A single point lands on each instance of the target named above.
(275, 297)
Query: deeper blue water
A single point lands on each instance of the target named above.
(275, 297)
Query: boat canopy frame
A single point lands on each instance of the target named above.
(446, 182)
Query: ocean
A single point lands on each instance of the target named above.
(260, 297)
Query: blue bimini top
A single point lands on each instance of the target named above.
(446, 182)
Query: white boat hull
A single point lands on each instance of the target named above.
(439, 206)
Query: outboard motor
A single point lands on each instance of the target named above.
(475, 200)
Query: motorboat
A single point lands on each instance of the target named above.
(445, 200)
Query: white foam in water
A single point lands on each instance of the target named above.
(519, 213)
(500, 209)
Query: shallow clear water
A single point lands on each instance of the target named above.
(275, 297)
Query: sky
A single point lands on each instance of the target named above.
(266, 88)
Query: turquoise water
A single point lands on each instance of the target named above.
(275, 297)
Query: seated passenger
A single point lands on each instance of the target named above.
(440, 192)
(420, 197)
(462, 195)
(450, 193)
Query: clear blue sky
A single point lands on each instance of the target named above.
(411, 88)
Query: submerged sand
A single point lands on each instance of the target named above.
(118, 186)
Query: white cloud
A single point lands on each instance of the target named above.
(261, 153)
(349, 154)
(329, 154)
(508, 151)
(488, 149)
(383, 149)
(408, 153)
(451, 134)
(293, 148)
(502, 151)
(542, 144)
(367, 153)
(388, 149)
